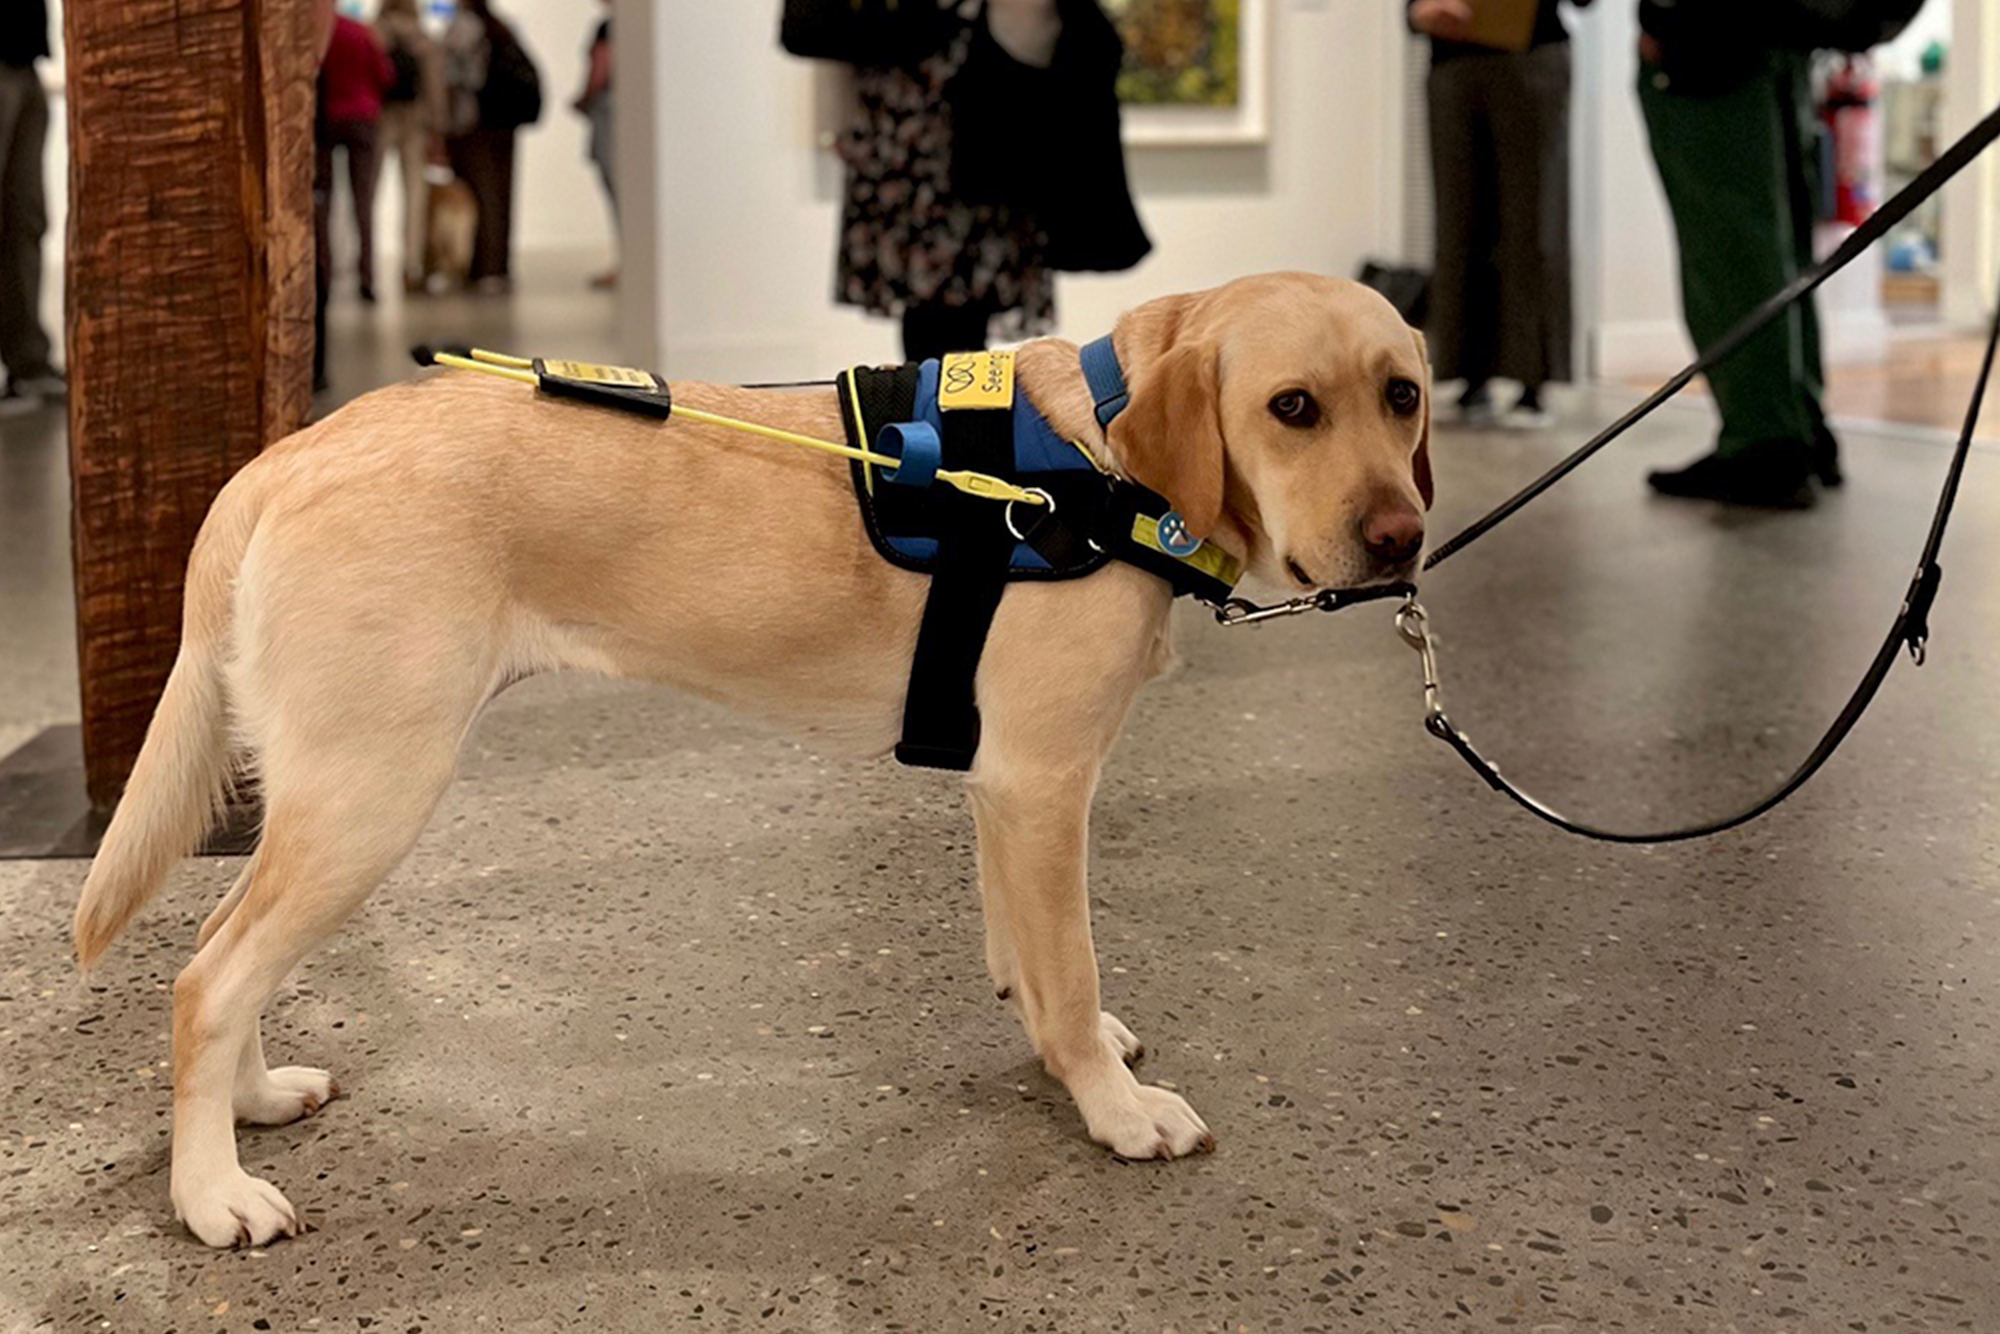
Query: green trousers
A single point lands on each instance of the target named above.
(1739, 168)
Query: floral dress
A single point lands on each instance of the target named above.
(905, 239)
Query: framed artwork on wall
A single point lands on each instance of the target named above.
(1196, 71)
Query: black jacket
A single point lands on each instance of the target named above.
(1048, 141)
(1708, 46)
(24, 32)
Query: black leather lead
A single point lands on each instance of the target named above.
(1909, 632)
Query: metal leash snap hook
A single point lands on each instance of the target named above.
(1413, 625)
(1048, 501)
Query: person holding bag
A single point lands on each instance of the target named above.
(1500, 291)
(927, 236)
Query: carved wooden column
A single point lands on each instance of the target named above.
(190, 287)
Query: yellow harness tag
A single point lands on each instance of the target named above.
(585, 372)
(976, 380)
(1210, 559)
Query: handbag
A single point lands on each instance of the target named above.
(1074, 183)
(878, 34)
(512, 96)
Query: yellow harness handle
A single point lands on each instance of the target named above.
(979, 484)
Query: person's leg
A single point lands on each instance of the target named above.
(1451, 194)
(1531, 150)
(1722, 160)
(1802, 180)
(472, 160)
(403, 127)
(503, 169)
(24, 128)
(364, 170)
(1462, 299)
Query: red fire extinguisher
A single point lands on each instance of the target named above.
(1848, 108)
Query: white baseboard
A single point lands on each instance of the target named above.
(1658, 348)
(1635, 348)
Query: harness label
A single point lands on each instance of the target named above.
(976, 380)
(590, 373)
(1211, 560)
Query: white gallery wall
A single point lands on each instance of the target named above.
(748, 203)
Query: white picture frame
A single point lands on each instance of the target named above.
(1248, 123)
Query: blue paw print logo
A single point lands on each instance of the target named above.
(1175, 539)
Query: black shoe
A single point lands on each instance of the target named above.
(1740, 479)
(1826, 458)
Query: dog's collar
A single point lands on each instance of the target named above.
(1106, 378)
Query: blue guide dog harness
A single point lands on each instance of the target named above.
(963, 413)
(959, 478)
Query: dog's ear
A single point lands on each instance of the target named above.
(1421, 466)
(1170, 437)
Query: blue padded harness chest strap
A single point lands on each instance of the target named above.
(972, 549)
(1106, 378)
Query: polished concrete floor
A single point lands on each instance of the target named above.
(672, 1023)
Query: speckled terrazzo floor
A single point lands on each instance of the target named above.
(670, 1024)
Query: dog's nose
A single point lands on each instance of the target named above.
(1393, 535)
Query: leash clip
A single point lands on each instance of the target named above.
(1413, 625)
(1242, 611)
(1917, 611)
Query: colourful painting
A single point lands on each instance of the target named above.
(1181, 53)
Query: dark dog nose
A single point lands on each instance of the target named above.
(1393, 535)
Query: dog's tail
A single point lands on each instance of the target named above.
(181, 778)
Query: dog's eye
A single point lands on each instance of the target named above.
(1295, 407)
(1404, 397)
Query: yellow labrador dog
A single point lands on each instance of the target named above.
(359, 592)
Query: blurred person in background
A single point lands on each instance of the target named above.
(949, 225)
(25, 352)
(495, 90)
(353, 77)
(910, 247)
(1500, 290)
(413, 118)
(1730, 117)
(596, 105)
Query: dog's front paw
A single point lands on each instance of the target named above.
(235, 1210)
(284, 1095)
(1148, 1122)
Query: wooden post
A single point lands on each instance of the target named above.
(190, 287)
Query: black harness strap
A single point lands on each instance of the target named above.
(940, 715)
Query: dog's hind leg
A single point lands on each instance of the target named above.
(341, 815)
(228, 904)
(263, 1096)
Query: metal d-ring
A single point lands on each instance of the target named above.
(1047, 500)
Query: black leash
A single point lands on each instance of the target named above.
(1911, 628)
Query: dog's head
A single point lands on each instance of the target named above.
(1287, 418)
